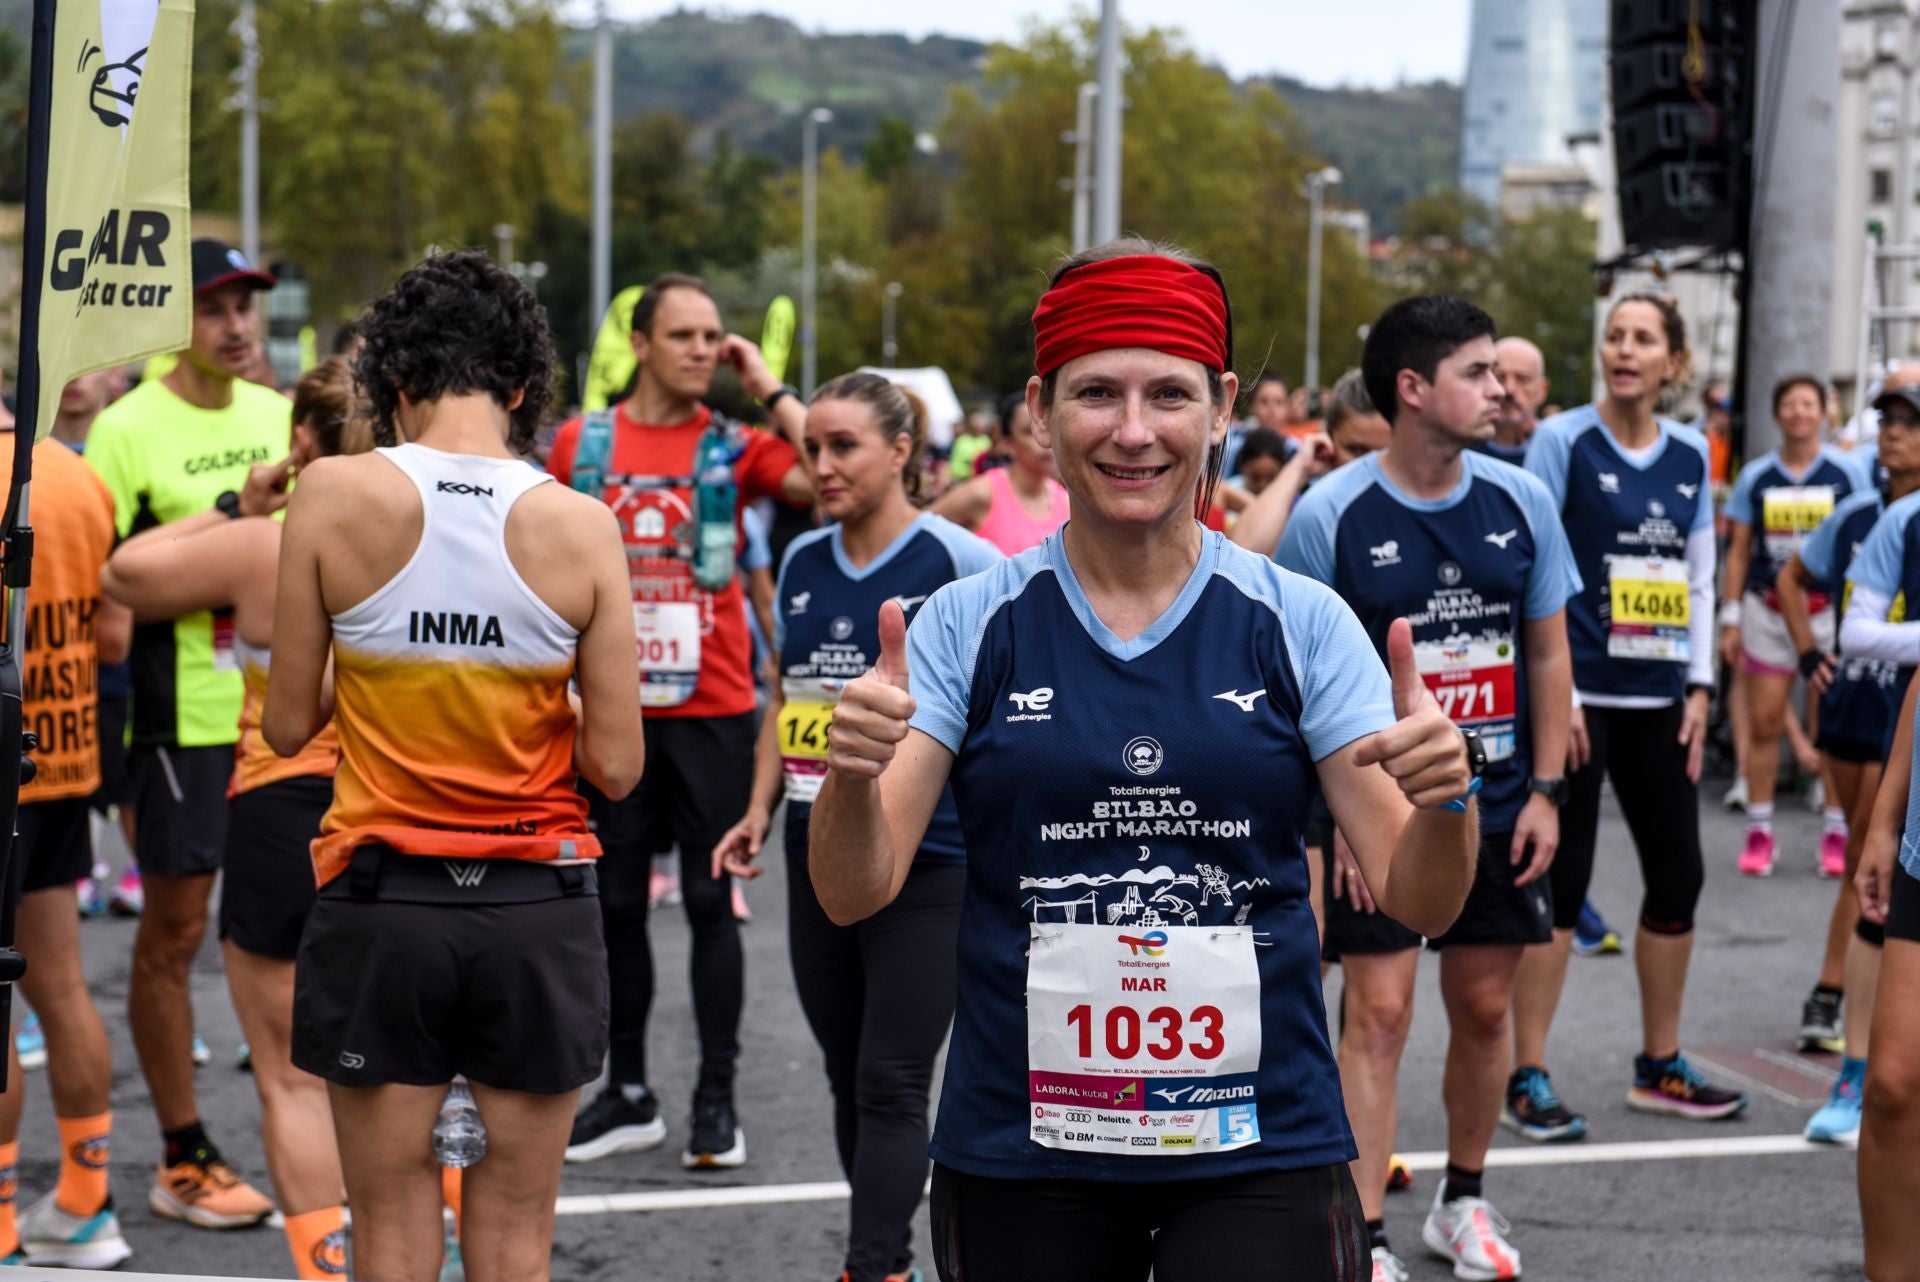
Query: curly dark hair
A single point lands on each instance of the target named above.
(454, 325)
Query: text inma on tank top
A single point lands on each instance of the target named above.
(425, 628)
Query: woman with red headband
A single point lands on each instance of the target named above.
(1134, 717)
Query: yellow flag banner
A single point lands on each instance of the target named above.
(776, 335)
(612, 362)
(115, 281)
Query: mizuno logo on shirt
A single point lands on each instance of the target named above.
(454, 629)
(461, 487)
(1687, 491)
(466, 872)
(1242, 701)
(1501, 540)
(1609, 482)
(908, 602)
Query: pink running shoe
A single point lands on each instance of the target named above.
(1833, 855)
(1757, 859)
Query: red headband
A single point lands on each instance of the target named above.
(1142, 300)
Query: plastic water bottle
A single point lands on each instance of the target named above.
(460, 1135)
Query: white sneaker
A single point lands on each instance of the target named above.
(1735, 797)
(1387, 1266)
(1470, 1234)
(50, 1236)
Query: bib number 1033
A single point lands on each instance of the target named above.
(1163, 1033)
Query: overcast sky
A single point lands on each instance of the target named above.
(1324, 42)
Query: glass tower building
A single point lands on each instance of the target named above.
(1536, 72)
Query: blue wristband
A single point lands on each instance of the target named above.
(1459, 804)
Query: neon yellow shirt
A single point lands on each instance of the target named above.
(163, 459)
(966, 450)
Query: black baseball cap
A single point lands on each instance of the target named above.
(216, 263)
(1907, 394)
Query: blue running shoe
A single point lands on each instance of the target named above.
(1838, 1121)
(1592, 937)
(31, 1043)
(1533, 1109)
(50, 1236)
(202, 1054)
(93, 900)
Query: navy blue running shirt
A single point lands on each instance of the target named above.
(1636, 514)
(1139, 970)
(1864, 699)
(1466, 571)
(827, 632)
(1780, 509)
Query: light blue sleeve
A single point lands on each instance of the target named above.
(1344, 690)
(755, 552)
(1702, 511)
(971, 554)
(1547, 459)
(1817, 549)
(1877, 567)
(1307, 545)
(1554, 579)
(1740, 502)
(943, 645)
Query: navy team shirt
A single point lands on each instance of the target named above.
(1618, 505)
(1780, 509)
(1124, 790)
(826, 623)
(1864, 699)
(1466, 570)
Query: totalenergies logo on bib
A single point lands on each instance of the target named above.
(1153, 943)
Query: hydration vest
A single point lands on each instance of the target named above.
(715, 544)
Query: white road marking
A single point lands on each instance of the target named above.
(694, 1199)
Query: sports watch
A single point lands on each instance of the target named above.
(229, 503)
(1555, 790)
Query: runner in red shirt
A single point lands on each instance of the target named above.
(696, 685)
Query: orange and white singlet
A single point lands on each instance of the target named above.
(255, 765)
(450, 690)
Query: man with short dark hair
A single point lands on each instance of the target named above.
(1471, 552)
(678, 475)
(172, 448)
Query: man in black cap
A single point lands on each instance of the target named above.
(172, 448)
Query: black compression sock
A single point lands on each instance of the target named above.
(1377, 1235)
(1461, 1183)
(189, 1144)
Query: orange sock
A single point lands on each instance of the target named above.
(450, 1190)
(82, 1189)
(9, 1186)
(318, 1240)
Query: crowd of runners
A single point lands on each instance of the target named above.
(1171, 711)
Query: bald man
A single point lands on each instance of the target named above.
(1522, 372)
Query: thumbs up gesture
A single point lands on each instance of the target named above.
(1423, 751)
(872, 716)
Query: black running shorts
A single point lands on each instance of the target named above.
(1859, 752)
(179, 798)
(1903, 915)
(1349, 930)
(267, 891)
(55, 843)
(511, 994)
(1497, 911)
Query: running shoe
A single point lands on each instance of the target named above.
(452, 1267)
(1735, 797)
(15, 1258)
(30, 1043)
(1756, 860)
(1833, 854)
(1591, 934)
(614, 1124)
(715, 1140)
(1533, 1110)
(202, 1053)
(49, 1236)
(93, 900)
(207, 1195)
(129, 898)
(1399, 1174)
(1388, 1267)
(1838, 1121)
(741, 913)
(243, 1058)
(663, 888)
(1820, 1028)
(1471, 1235)
(1676, 1088)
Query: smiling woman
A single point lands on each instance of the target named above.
(1108, 664)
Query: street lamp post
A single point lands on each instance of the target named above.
(1081, 184)
(249, 75)
(503, 236)
(1106, 171)
(889, 304)
(1317, 184)
(601, 286)
(810, 248)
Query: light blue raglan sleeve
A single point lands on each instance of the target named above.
(1702, 511)
(1876, 567)
(1307, 545)
(1554, 579)
(1740, 502)
(1345, 693)
(942, 644)
(1547, 460)
(1816, 550)
(971, 554)
(755, 552)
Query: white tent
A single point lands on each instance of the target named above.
(931, 384)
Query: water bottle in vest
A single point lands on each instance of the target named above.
(714, 500)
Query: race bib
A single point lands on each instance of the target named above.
(803, 747)
(1472, 681)
(668, 635)
(1143, 1042)
(1790, 513)
(226, 657)
(1650, 609)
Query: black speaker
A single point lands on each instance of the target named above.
(1681, 112)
